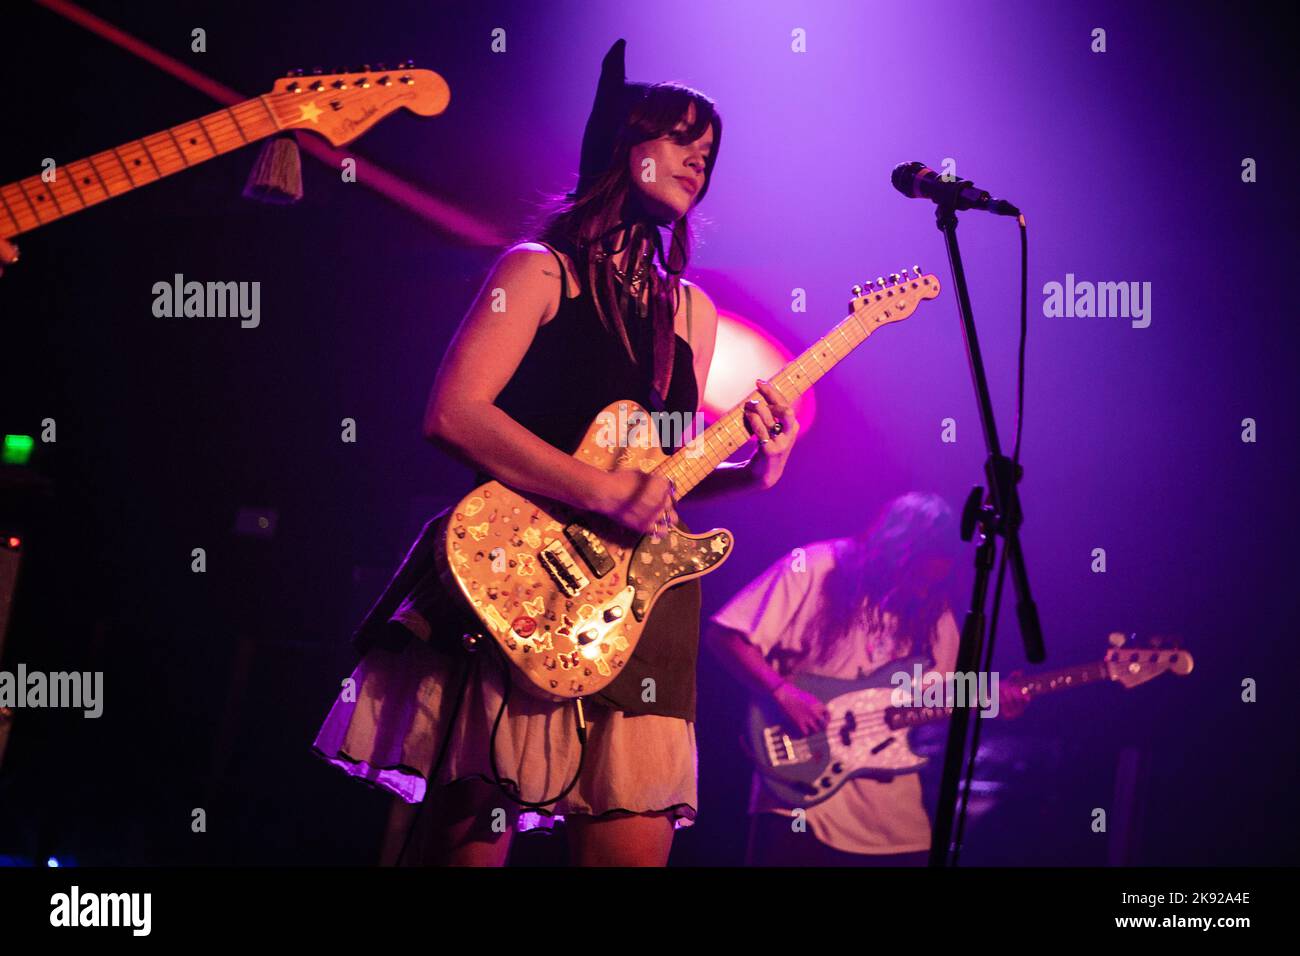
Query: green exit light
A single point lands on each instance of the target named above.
(17, 450)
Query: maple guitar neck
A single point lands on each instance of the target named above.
(691, 464)
(33, 202)
(339, 107)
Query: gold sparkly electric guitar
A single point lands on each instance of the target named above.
(565, 594)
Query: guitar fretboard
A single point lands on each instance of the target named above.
(74, 186)
(1049, 681)
(1036, 685)
(691, 464)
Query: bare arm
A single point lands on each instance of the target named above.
(462, 419)
(489, 345)
(741, 659)
(745, 662)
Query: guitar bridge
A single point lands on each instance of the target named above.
(780, 748)
(563, 570)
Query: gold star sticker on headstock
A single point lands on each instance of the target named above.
(309, 112)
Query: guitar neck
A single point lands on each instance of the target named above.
(1037, 685)
(1049, 682)
(691, 464)
(37, 200)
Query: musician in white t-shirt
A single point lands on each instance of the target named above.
(843, 608)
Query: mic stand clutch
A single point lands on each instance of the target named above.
(998, 516)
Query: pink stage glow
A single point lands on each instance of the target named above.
(746, 352)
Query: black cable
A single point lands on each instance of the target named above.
(431, 780)
(496, 773)
(492, 749)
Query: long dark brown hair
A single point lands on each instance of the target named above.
(593, 227)
(873, 577)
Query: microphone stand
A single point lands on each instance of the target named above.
(996, 514)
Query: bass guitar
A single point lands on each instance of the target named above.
(867, 733)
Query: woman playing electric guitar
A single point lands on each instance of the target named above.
(592, 312)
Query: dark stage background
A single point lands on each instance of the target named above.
(1127, 163)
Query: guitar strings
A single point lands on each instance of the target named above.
(224, 131)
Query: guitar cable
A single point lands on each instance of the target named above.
(437, 764)
(496, 773)
(492, 747)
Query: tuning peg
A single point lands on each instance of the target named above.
(316, 71)
(408, 65)
(381, 65)
(856, 291)
(880, 282)
(916, 271)
(1116, 639)
(893, 278)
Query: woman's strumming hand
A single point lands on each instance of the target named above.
(642, 502)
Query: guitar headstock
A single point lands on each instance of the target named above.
(1131, 665)
(342, 106)
(892, 300)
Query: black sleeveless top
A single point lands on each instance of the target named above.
(573, 369)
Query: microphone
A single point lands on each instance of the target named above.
(918, 181)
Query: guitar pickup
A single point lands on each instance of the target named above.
(590, 548)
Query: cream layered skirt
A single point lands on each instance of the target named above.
(389, 720)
